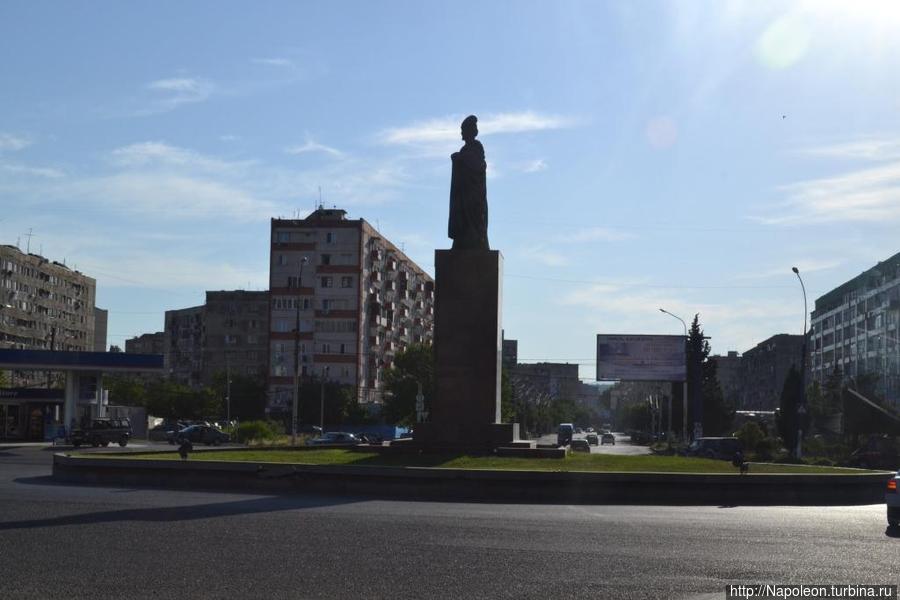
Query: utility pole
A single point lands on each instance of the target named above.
(297, 357)
(227, 389)
(322, 399)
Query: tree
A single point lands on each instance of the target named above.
(411, 367)
(115, 349)
(788, 420)
(248, 395)
(706, 402)
(125, 390)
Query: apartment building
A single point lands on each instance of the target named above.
(344, 300)
(44, 305)
(854, 327)
(228, 333)
(148, 343)
(763, 371)
(236, 336)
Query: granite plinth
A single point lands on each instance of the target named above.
(465, 411)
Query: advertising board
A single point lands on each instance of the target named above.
(641, 357)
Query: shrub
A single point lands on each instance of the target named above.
(250, 431)
(765, 449)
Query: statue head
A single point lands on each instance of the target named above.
(469, 128)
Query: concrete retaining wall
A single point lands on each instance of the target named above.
(476, 485)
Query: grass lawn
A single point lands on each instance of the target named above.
(573, 462)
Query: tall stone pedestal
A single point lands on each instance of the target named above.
(465, 412)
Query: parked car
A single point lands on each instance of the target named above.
(310, 430)
(165, 431)
(335, 438)
(719, 448)
(102, 432)
(892, 497)
(580, 445)
(592, 439)
(201, 434)
(607, 438)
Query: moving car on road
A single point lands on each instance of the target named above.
(335, 438)
(580, 445)
(607, 438)
(892, 497)
(592, 439)
(102, 432)
(201, 434)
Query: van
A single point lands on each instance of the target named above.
(564, 434)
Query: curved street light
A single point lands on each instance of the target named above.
(684, 389)
(801, 407)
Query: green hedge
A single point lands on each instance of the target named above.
(250, 431)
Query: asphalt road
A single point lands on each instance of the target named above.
(60, 541)
(623, 445)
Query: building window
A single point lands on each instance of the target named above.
(282, 236)
(329, 237)
(326, 259)
(346, 282)
(342, 348)
(306, 304)
(326, 282)
(324, 304)
(282, 260)
(326, 348)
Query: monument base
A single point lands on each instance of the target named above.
(465, 437)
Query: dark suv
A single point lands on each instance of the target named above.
(102, 432)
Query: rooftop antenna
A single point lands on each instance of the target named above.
(28, 235)
(320, 197)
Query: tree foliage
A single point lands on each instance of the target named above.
(411, 367)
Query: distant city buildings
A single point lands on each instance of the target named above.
(345, 312)
(558, 381)
(854, 329)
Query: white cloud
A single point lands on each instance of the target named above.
(274, 62)
(9, 142)
(446, 129)
(594, 234)
(544, 255)
(167, 195)
(159, 153)
(867, 149)
(533, 166)
(869, 194)
(807, 265)
(46, 172)
(310, 145)
(169, 94)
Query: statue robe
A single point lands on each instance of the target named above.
(467, 226)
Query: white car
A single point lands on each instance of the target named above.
(892, 498)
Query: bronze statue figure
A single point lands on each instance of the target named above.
(468, 192)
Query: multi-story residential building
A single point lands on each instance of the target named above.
(184, 345)
(347, 310)
(728, 371)
(763, 371)
(227, 333)
(44, 305)
(101, 318)
(510, 354)
(148, 343)
(854, 328)
(236, 334)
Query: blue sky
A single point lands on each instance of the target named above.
(641, 154)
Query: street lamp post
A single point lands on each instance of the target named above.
(322, 399)
(801, 408)
(296, 400)
(684, 388)
(227, 390)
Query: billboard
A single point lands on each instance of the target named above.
(641, 357)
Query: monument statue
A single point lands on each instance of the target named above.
(467, 226)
